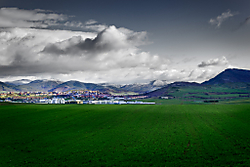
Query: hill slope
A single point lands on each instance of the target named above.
(230, 76)
(19, 82)
(69, 85)
(6, 87)
(77, 85)
(38, 85)
(171, 88)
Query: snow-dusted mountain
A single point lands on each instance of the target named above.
(140, 87)
(45, 85)
(19, 82)
(228, 76)
(159, 83)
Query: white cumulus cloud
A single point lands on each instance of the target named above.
(30, 47)
(214, 62)
(110, 54)
(14, 17)
(91, 21)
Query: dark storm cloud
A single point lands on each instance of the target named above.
(24, 64)
(85, 46)
(109, 39)
(205, 64)
(21, 70)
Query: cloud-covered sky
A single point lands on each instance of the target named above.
(122, 41)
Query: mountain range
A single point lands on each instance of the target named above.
(59, 86)
(229, 76)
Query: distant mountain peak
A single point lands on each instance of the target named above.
(158, 82)
(230, 75)
(19, 82)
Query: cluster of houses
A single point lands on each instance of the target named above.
(63, 101)
(70, 97)
(52, 101)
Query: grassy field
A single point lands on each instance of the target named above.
(196, 93)
(125, 135)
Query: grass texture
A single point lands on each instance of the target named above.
(125, 135)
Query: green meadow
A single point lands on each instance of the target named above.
(125, 135)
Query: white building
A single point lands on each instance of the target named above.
(45, 101)
(118, 102)
(139, 102)
(58, 101)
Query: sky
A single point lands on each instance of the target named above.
(118, 41)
